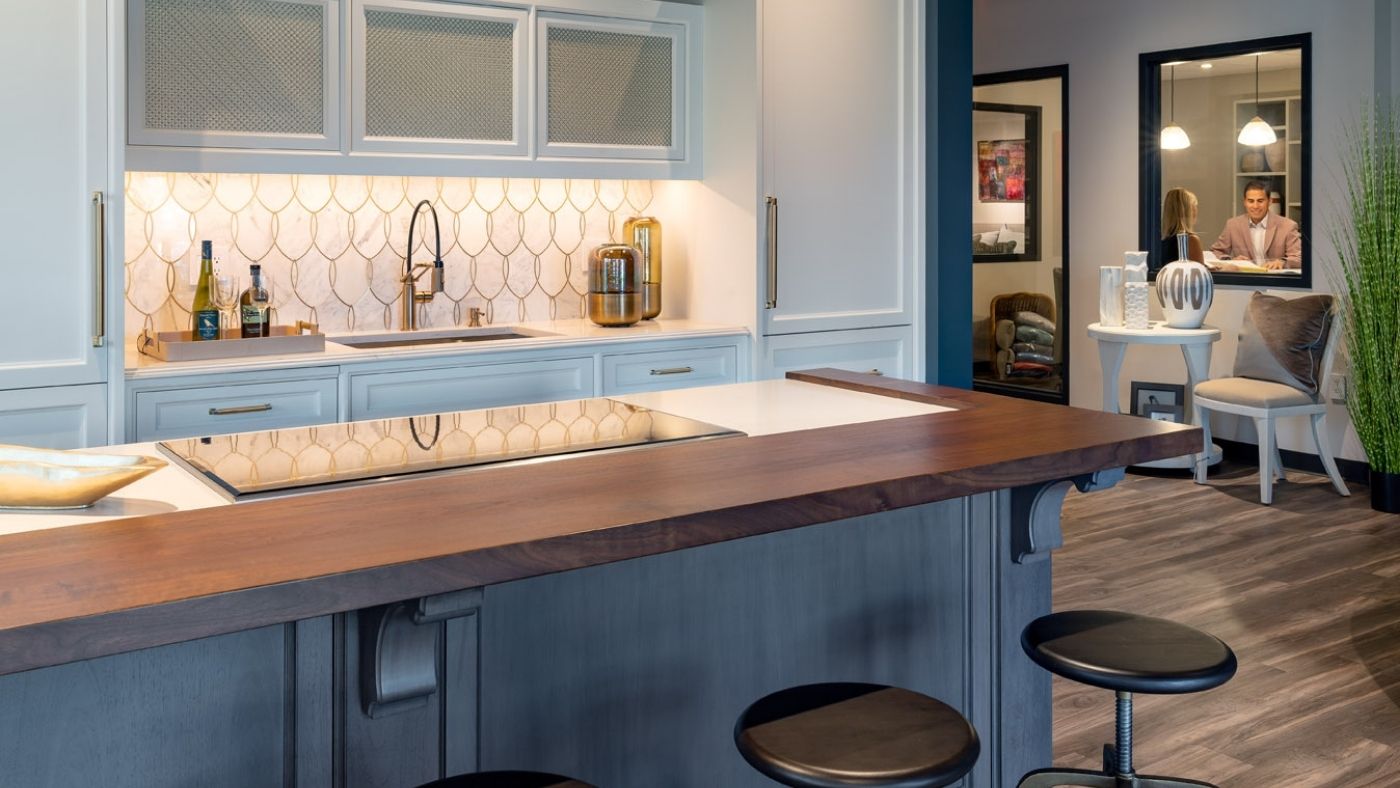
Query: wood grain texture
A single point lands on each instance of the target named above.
(85, 591)
(1307, 593)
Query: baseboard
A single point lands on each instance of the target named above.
(1353, 471)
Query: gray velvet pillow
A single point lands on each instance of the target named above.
(1283, 340)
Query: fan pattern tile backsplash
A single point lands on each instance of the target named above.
(334, 246)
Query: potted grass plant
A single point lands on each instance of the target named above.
(1367, 240)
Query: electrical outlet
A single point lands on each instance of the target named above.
(1339, 387)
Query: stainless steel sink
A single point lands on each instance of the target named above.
(444, 337)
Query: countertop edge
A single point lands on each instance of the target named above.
(49, 642)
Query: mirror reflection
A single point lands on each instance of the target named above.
(1232, 156)
(1018, 213)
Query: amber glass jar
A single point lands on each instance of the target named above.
(615, 285)
(644, 234)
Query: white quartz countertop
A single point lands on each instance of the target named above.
(758, 408)
(547, 334)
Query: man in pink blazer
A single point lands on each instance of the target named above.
(1258, 236)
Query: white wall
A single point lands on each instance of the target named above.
(1101, 41)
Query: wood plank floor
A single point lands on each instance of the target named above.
(1306, 591)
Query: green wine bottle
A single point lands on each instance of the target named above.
(206, 316)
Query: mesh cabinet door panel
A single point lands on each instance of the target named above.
(439, 77)
(235, 73)
(612, 90)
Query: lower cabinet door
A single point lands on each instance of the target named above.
(61, 417)
(886, 351)
(413, 392)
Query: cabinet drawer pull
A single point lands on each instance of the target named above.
(240, 409)
(771, 301)
(673, 371)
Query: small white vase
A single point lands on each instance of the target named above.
(1110, 295)
(1185, 290)
(1135, 305)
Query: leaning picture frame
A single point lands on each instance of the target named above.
(1173, 413)
(1146, 394)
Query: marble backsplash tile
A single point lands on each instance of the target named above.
(334, 246)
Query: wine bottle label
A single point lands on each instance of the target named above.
(206, 324)
(252, 314)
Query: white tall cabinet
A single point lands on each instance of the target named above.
(53, 138)
(841, 178)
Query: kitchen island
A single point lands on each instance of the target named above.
(603, 615)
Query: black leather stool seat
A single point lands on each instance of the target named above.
(1128, 653)
(507, 780)
(834, 735)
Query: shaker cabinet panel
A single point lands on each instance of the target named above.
(842, 163)
(885, 351)
(612, 88)
(412, 392)
(439, 77)
(63, 417)
(630, 373)
(234, 73)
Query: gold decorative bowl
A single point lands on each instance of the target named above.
(43, 479)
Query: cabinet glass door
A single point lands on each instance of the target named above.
(439, 77)
(1020, 291)
(611, 88)
(236, 73)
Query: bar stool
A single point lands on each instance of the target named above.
(1125, 653)
(844, 734)
(507, 780)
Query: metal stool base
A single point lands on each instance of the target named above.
(1053, 778)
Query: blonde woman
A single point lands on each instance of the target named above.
(1179, 216)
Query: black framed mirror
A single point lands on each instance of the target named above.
(1225, 153)
(1020, 222)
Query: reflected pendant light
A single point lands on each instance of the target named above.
(1173, 136)
(1256, 131)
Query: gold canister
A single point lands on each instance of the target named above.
(644, 234)
(615, 285)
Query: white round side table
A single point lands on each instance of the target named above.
(1195, 347)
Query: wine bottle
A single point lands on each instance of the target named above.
(253, 305)
(205, 314)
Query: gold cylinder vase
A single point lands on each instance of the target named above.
(643, 233)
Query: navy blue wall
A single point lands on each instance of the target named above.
(948, 267)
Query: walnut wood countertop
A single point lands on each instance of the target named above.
(86, 591)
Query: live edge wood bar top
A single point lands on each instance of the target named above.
(85, 591)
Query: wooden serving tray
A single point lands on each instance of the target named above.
(181, 345)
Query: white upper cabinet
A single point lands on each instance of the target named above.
(842, 123)
(566, 88)
(234, 73)
(439, 77)
(611, 88)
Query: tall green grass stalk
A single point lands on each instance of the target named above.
(1367, 240)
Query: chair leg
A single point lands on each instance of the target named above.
(1279, 475)
(1053, 778)
(1319, 429)
(1203, 459)
(1264, 425)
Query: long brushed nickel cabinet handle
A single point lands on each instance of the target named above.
(772, 295)
(240, 409)
(99, 266)
(673, 371)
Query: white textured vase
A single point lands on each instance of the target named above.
(1134, 267)
(1135, 305)
(1185, 290)
(1111, 295)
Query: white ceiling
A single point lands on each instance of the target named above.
(1237, 64)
